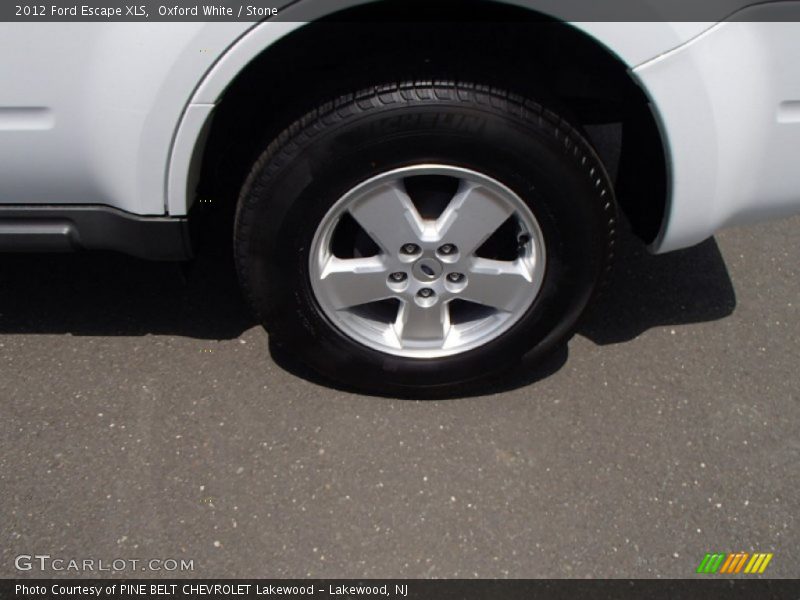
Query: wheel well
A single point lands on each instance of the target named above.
(488, 42)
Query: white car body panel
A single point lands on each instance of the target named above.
(113, 94)
(114, 114)
(111, 100)
(729, 103)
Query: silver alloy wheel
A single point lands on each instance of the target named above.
(426, 291)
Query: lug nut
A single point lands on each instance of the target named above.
(398, 276)
(447, 249)
(425, 293)
(455, 277)
(409, 249)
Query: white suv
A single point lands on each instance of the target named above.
(413, 204)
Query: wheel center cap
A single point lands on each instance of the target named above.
(427, 269)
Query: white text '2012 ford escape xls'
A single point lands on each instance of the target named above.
(415, 203)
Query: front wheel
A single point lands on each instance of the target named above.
(423, 235)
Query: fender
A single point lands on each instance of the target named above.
(730, 100)
(633, 45)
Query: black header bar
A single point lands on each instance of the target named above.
(403, 10)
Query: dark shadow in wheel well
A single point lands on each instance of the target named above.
(491, 43)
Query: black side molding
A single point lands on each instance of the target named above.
(49, 228)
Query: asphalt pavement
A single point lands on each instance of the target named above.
(144, 417)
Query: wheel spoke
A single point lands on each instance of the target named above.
(354, 281)
(422, 324)
(497, 283)
(389, 216)
(474, 214)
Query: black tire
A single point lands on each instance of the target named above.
(530, 149)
